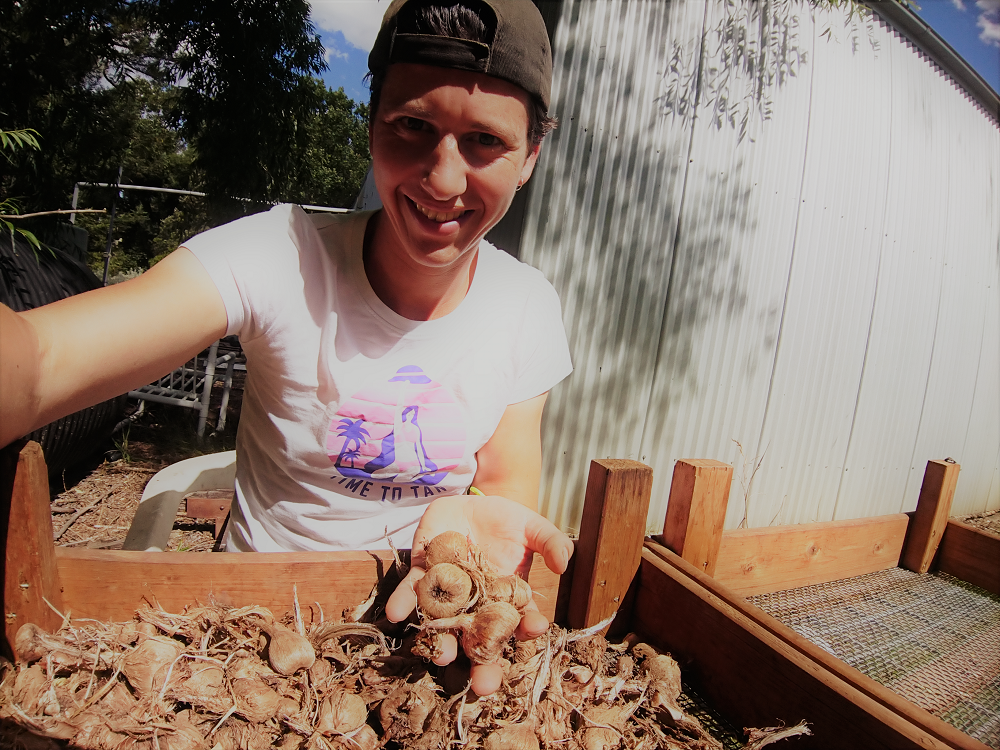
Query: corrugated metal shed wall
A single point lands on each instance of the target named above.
(823, 290)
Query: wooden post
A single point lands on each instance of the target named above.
(696, 511)
(29, 573)
(931, 517)
(611, 537)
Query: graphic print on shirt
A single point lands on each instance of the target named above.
(397, 440)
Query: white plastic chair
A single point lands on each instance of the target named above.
(154, 518)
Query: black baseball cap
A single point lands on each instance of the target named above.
(518, 52)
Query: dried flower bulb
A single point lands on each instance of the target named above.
(185, 736)
(31, 643)
(446, 547)
(553, 722)
(664, 676)
(146, 665)
(444, 591)
(341, 712)
(287, 707)
(255, 701)
(288, 652)
(511, 589)
(244, 666)
(512, 737)
(601, 727)
(485, 633)
(362, 739)
(205, 687)
(526, 650)
(405, 711)
(30, 687)
(319, 671)
(429, 644)
(626, 666)
(119, 700)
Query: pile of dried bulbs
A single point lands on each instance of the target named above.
(238, 679)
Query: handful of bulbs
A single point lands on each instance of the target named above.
(216, 678)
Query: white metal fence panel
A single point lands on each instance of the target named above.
(600, 223)
(824, 289)
(729, 279)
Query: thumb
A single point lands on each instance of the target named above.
(553, 545)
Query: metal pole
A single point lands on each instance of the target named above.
(111, 227)
(76, 197)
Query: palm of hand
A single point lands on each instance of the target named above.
(506, 531)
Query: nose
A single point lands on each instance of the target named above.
(446, 171)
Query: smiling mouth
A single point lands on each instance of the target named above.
(435, 216)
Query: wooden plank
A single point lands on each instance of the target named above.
(758, 672)
(759, 561)
(611, 535)
(111, 584)
(970, 554)
(696, 510)
(30, 575)
(931, 517)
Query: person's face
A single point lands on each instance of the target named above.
(449, 149)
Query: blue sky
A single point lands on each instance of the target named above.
(348, 29)
(972, 28)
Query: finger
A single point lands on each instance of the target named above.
(449, 649)
(544, 537)
(533, 624)
(486, 678)
(403, 599)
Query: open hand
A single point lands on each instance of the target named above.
(509, 534)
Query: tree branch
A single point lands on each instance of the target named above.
(49, 213)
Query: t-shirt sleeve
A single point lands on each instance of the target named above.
(544, 358)
(241, 258)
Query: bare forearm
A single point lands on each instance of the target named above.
(510, 464)
(19, 375)
(85, 349)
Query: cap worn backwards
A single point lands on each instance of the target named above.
(517, 51)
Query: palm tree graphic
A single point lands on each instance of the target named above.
(355, 435)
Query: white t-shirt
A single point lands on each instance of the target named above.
(354, 418)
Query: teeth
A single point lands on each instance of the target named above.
(435, 216)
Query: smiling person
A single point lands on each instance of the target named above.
(395, 358)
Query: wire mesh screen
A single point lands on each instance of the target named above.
(932, 639)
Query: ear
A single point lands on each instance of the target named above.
(529, 163)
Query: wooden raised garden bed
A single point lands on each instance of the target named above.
(750, 667)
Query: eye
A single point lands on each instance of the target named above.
(412, 123)
(486, 139)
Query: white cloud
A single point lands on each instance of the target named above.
(958, 4)
(357, 20)
(989, 21)
(331, 51)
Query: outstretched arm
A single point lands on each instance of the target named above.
(57, 359)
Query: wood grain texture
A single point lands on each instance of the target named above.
(30, 575)
(110, 585)
(970, 554)
(696, 510)
(611, 535)
(759, 561)
(758, 672)
(931, 516)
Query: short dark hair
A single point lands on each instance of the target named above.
(457, 20)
